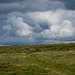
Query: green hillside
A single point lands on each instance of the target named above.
(56, 59)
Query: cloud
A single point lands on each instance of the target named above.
(49, 17)
(7, 6)
(36, 22)
(22, 29)
(63, 30)
(52, 41)
(69, 4)
(2, 45)
(9, 1)
(60, 24)
(40, 27)
(28, 5)
(7, 27)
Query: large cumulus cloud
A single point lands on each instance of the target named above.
(38, 27)
(60, 23)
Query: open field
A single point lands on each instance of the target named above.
(57, 59)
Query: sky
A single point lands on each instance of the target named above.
(29, 22)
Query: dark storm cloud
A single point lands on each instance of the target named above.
(7, 6)
(69, 4)
(10, 7)
(9, 1)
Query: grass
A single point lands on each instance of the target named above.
(57, 59)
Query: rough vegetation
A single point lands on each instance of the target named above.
(57, 59)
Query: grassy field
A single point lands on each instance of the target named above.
(57, 59)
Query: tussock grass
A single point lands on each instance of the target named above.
(57, 59)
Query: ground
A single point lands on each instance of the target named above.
(38, 60)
